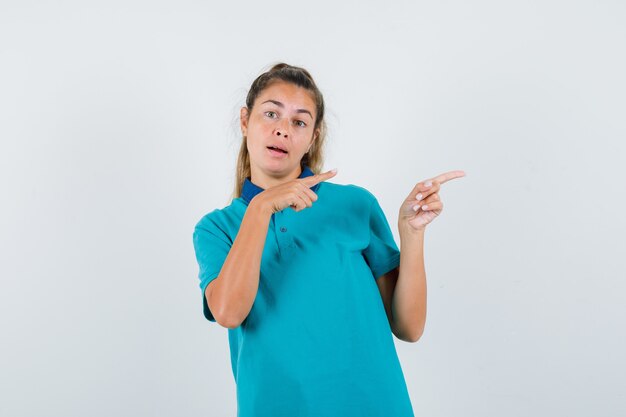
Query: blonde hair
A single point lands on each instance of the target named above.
(302, 78)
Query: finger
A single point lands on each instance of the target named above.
(430, 199)
(297, 202)
(435, 205)
(310, 193)
(425, 191)
(314, 179)
(427, 186)
(306, 194)
(426, 201)
(447, 176)
(303, 200)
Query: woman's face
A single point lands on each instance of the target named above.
(283, 116)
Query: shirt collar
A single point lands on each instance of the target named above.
(249, 189)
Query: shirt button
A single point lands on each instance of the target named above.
(283, 229)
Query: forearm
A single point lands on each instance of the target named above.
(409, 297)
(237, 284)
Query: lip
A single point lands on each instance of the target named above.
(278, 146)
(276, 154)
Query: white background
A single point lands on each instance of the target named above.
(119, 130)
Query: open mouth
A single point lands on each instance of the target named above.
(276, 149)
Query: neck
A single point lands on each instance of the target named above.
(268, 180)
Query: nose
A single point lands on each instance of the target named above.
(280, 130)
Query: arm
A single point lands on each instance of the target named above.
(406, 302)
(230, 296)
(403, 289)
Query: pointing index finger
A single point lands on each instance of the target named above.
(447, 176)
(310, 181)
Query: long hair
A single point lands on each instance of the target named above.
(302, 78)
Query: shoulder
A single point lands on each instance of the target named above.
(222, 220)
(347, 198)
(349, 192)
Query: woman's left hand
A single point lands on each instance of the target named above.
(423, 203)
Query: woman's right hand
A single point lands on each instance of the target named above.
(295, 193)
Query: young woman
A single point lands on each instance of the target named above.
(305, 273)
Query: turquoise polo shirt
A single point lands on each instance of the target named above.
(317, 341)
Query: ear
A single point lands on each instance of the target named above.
(315, 136)
(243, 120)
(312, 142)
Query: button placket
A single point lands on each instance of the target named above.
(283, 234)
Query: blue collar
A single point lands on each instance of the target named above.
(249, 189)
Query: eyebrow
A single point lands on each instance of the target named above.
(281, 105)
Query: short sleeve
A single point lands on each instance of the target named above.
(382, 253)
(212, 246)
